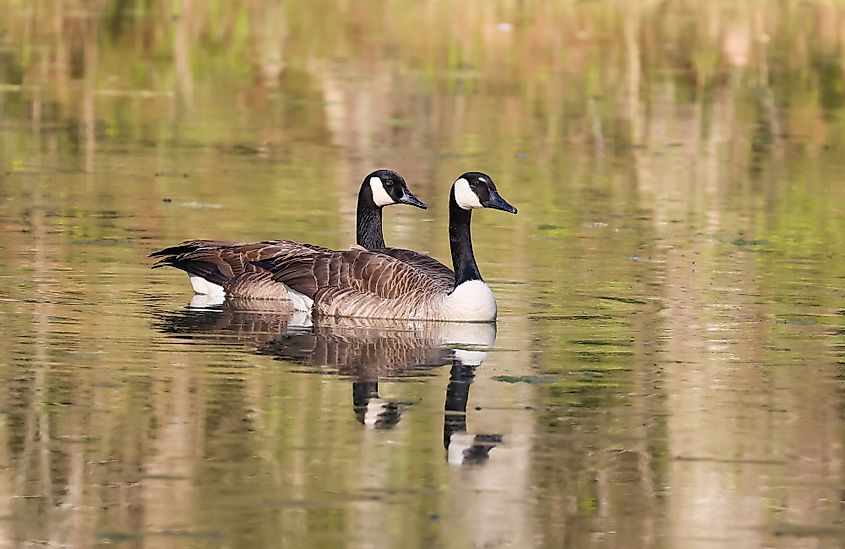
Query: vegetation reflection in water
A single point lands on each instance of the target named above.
(668, 360)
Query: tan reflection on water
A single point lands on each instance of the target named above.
(666, 370)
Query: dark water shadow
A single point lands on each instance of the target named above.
(365, 351)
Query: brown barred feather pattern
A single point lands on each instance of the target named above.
(232, 264)
(428, 265)
(370, 284)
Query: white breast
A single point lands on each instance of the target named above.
(472, 301)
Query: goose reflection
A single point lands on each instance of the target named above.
(372, 410)
(462, 447)
(252, 321)
(365, 350)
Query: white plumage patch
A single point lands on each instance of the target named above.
(204, 287)
(301, 302)
(472, 301)
(300, 320)
(464, 195)
(380, 196)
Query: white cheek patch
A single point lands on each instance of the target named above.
(380, 196)
(464, 196)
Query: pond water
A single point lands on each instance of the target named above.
(668, 367)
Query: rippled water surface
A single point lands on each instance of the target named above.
(667, 368)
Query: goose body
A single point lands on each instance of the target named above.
(401, 284)
(217, 268)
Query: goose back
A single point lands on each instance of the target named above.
(425, 264)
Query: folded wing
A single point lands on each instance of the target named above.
(234, 265)
(361, 283)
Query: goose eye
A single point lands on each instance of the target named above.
(389, 183)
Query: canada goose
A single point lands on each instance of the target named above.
(387, 284)
(220, 268)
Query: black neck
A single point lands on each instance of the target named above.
(460, 241)
(368, 233)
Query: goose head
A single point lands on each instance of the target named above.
(387, 187)
(477, 190)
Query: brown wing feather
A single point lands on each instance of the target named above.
(255, 285)
(306, 273)
(434, 269)
(382, 275)
(226, 263)
(358, 283)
